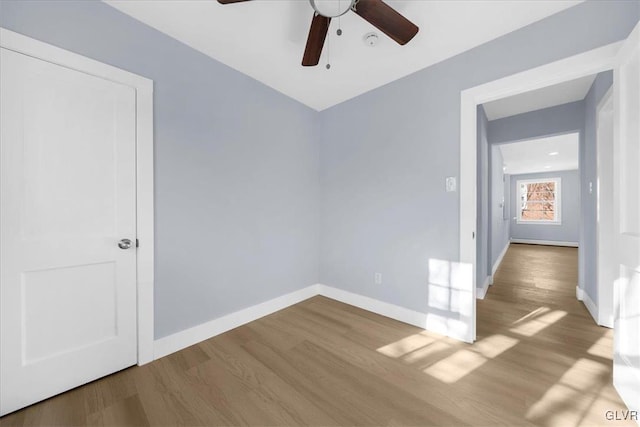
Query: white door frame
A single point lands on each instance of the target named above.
(574, 67)
(144, 164)
(605, 254)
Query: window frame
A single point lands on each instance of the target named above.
(557, 220)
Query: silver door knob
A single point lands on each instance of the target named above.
(124, 244)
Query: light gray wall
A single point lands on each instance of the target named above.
(236, 165)
(551, 121)
(589, 170)
(483, 231)
(500, 190)
(568, 230)
(385, 156)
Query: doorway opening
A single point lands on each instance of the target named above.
(577, 67)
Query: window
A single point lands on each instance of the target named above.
(538, 201)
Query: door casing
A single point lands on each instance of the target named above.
(144, 166)
(574, 67)
(604, 191)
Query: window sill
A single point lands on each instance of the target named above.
(538, 222)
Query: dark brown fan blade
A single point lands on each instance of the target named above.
(230, 1)
(315, 41)
(387, 20)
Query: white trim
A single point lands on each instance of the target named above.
(428, 321)
(175, 342)
(144, 164)
(557, 212)
(591, 306)
(183, 339)
(468, 195)
(626, 378)
(626, 372)
(375, 306)
(496, 264)
(581, 295)
(545, 242)
(482, 291)
(145, 222)
(605, 256)
(571, 68)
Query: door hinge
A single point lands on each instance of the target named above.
(137, 243)
(473, 236)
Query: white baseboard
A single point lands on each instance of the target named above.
(375, 306)
(183, 339)
(591, 306)
(172, 343)
(454, 328)
(481, 292)
(545, 242)
(606, 321)
(499, 260)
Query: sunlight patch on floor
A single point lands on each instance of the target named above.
(534, 313)
(602, 348)
(405, 345)
(531, 327)
(463, 362)
(494, 345)
(585, 373)
(456, 366)
(426, 352)
(570, 401)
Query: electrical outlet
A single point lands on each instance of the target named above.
(377, 278)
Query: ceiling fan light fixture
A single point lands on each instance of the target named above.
(332, 8)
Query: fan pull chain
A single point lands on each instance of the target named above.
(339, 32)
(328, 51)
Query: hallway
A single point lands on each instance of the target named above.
(563, 358)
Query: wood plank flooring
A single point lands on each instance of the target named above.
(539, 360)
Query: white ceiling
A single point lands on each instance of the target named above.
(563, 93)
(265, 39)
(533, 155)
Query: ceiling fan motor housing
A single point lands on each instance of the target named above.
(332, 8)
(376, 12)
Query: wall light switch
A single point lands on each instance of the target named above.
(451, 183)
(377, 278)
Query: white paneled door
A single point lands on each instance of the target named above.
(67, 214)
(626, 185)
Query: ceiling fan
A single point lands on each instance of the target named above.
(376, 12)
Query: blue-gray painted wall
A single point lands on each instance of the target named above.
(247, 179)
(483, 230)
(236, 165)
(558, 120)
(588, 171)
(385, 156)
(568, 229)
(500, 190)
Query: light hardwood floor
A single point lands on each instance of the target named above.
(539, 360)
